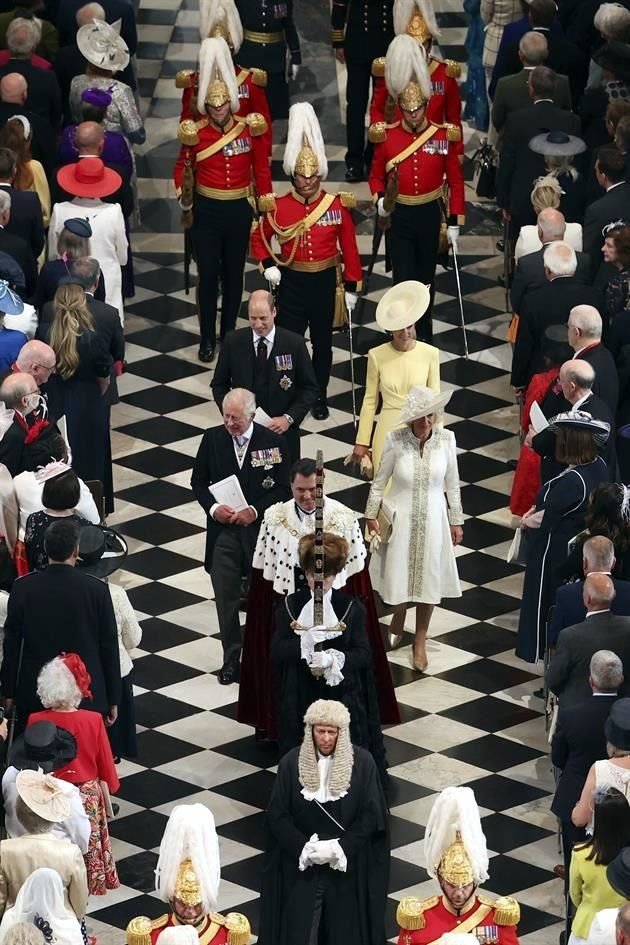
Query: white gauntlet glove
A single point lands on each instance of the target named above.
(273, 275)
(351, 300)
(321, 660)
(380, 209)
(452, 233)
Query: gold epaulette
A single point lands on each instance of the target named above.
(188, 133)
(506, 909)
(160, 923)
(257, 124)
(410, 912)
(453, 69)
(348, 199)
(377, 132)
(238, 929)
(378, 67)
(453, 132)
(185, 79)
(259, 77)
(139, 931)
(266, 203)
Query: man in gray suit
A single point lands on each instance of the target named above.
(513, 90)
(568, 672)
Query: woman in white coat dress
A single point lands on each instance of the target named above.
(88, 181)
(417, 564)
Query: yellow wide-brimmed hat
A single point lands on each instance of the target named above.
(402, 305)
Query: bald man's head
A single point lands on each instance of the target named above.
(37, 359)
(89, 138)
(16, 392)
(89, 13)
(576, 379)
(585, 326)
(13, 89)
(598, 592)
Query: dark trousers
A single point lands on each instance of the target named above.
(318, 931)
(357, 98)
(231, 560)
(307, 300)
(220, 235)
(413, 245)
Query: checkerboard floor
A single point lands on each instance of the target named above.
(472, 718)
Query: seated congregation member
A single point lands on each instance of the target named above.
(16, 246)
(73, 243)
(61, 493)
(41, 901)
(39, 807)
(578, 742)
(82, 378)
(548, 305)
(283, 525)
(419, 466)
(45, 747)
(60, 610)
(584, 334)
(273, 363)
(611, 771)
(589, 888)
(323, 881)
(557, 515)
(610, 171)
(597, 557)
(24, 180)
(311, 659)
(62, 685)
(20, 393)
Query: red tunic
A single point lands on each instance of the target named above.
(94, 760)
(234, 167)
(439, 920)
(332, 232)
(445, 104)
(527, 476)
(422, 173)
(252, 99)
(210, 933)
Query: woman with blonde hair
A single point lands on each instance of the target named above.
(16, 135)
(76, 390)
(546, 195)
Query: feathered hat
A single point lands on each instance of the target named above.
(219, 18)
(305, 152)
(326, 712)
(189, 866)
(406, 73)
(417, 19)
(454, 844)
(217, 78)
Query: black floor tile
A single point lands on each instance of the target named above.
(157, 495)
(163, 338)
(160, 430)
(138, 871)
(158, 563)
(509, 876)
(253, 789)
(507, 833)
(343, 372)
(474, 312)
(471, 435)
(151, 50)
(481, 534)
(446, 282)
(483, 639)
(492, 753)
(164, 281)
(402, 832)
(399, 752)
(154, 709)
(164, 369)
(466, 373)
(470, 403)
(162, 399)
(157, 462)
(476, 500)
(154, 788)
(403, 874)
(498, 793)
(156, 748)
(155, 598)
(479, 568)
(158, 635)
(402, 792)
(246, 873)
(157, 672)
(491, 714)
(143, 829)
(251, 830)
(481, 603)
(453, 341)
(473, 467)
(534, 919)
(487, 676)
(152, 17)
(158, 529)
(121, 913)
(252, 752)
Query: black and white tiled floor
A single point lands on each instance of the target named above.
(472, 718)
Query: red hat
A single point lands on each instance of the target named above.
(88, 178)
(78, 669)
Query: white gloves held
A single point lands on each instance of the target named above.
(452, 233)
(273, 275)
(321, 660)
(382, 212)
(293, 71)
(351, 300)
(316, 852)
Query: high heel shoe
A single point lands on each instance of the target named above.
(395, 639)
(419, 665)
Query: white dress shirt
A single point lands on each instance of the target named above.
(268, 339)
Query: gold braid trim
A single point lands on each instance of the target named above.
(506, 909)
(453, 69)
(378, 67)
(238, 929)
(377, 133)
(410, 912)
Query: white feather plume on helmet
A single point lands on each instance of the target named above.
(304, 132)
(406, 62)
(405, 10)
(215, 64)
(216, 15)
(454, 819)
(190, 834)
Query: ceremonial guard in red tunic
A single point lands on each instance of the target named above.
(411, 169)
(317, 268)
(457, 857)
(219, 18)
(416, 18)
(271, 42)
(187, 877)
(221, 169)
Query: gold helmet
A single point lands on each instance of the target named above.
(412, 97)
(187, 887)
(217, 93)
(455, 866)
(219, 18)
(305, 152)
(217, 78)
(415, 18)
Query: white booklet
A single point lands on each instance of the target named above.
(537, 418)
(228, 492)
(261, 417)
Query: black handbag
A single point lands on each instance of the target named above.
(485, 175)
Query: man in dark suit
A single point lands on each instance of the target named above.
(598, 557)
(510, 40)
(56, 610)
(121, 10)
(13, 95)
(584, 333)
(548, 305)
(19, 393)
(260, 461)
(26, 219)
(530, 269)
(273, 363)
(579, 741)
(512, 91)
(519, 167)
(567, 674)
(89, 139)
(44, 97)
(15, 246)
(610, 170)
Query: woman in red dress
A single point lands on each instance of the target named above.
(61, 685)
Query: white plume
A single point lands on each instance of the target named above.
(405, 9)
(190, 834)
(455, 809)
(303, 124)
(214, 53)
(406, 62)
(212, 12)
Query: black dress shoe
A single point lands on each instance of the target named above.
(230, 673)
(500, 246)
(206, 353)
(354, 174)
(320, 412)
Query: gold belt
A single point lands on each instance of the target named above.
(411, 200)
(263, 38)
(318, 265)
(215, 194)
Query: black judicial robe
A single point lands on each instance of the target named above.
(354, 904)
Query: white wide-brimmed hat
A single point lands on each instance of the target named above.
(43, 795)
(422, 402)
(402, 305)
(103, 46)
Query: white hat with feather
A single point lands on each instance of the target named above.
(305, 152)
(406, 73)
(220, 18)
(217, 78)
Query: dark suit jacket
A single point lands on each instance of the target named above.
(563, 57)
(510, 38)
(26, 219)
(519, 166)
(56, 610)
(512, 93)
(548, 305)
(606, 383)
(544, 443)
(21, 251)
(614, 205)
(261, 486)
(569, 606)
(578, 743)
(114, 10)
(530, 274)
(43, 140)
(567, 674)
(44, 96)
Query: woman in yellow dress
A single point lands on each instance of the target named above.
(395, 367)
